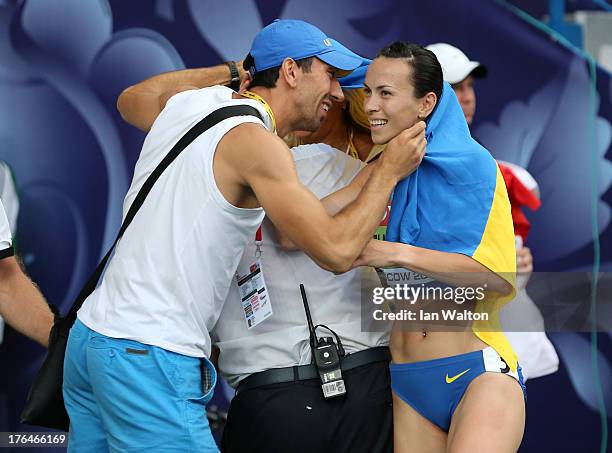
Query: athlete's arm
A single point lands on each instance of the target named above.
(338, 200)
(451, 268)
(333, 242)
(333, 203)
(21, 304)
(140, 104)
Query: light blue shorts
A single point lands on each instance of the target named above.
(125, 396)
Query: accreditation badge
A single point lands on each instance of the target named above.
(253, 292)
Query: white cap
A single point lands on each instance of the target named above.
(456, 66)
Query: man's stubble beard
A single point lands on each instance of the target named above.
(308, 121)
(309, 127)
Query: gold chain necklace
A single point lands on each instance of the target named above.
(258, 98)
(351, 149)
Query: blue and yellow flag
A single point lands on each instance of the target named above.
(456, 201)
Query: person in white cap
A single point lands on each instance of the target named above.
(536, 353)
(460, 72)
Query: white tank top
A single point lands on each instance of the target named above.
(169, 276)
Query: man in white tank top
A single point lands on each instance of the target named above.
(132, 370)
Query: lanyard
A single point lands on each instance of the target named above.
(258, 242)
(256, 97)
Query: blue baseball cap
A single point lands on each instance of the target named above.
(356, 78)
(297, 39)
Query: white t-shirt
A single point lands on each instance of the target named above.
(8, 195)
(536, 354)
(334, 300)
(5, 250)
(5, 231)
(168, 278)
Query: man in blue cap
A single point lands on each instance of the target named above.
(132, 369)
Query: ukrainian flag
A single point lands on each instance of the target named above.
(456, 201)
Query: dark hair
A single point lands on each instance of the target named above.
(426, 69)
(268, 77)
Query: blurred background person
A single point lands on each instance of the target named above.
(21, 304)
(10, 201)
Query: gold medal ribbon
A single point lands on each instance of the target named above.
(256, 97)
(351, 149)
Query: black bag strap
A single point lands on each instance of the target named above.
(202, 126)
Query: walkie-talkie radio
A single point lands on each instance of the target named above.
(326, 355)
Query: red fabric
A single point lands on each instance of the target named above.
(519, 196)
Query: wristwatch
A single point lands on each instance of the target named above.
(234, 74)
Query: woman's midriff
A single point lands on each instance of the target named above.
(430, 337)
(413, 346)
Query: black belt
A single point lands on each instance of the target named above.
(305, 372)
